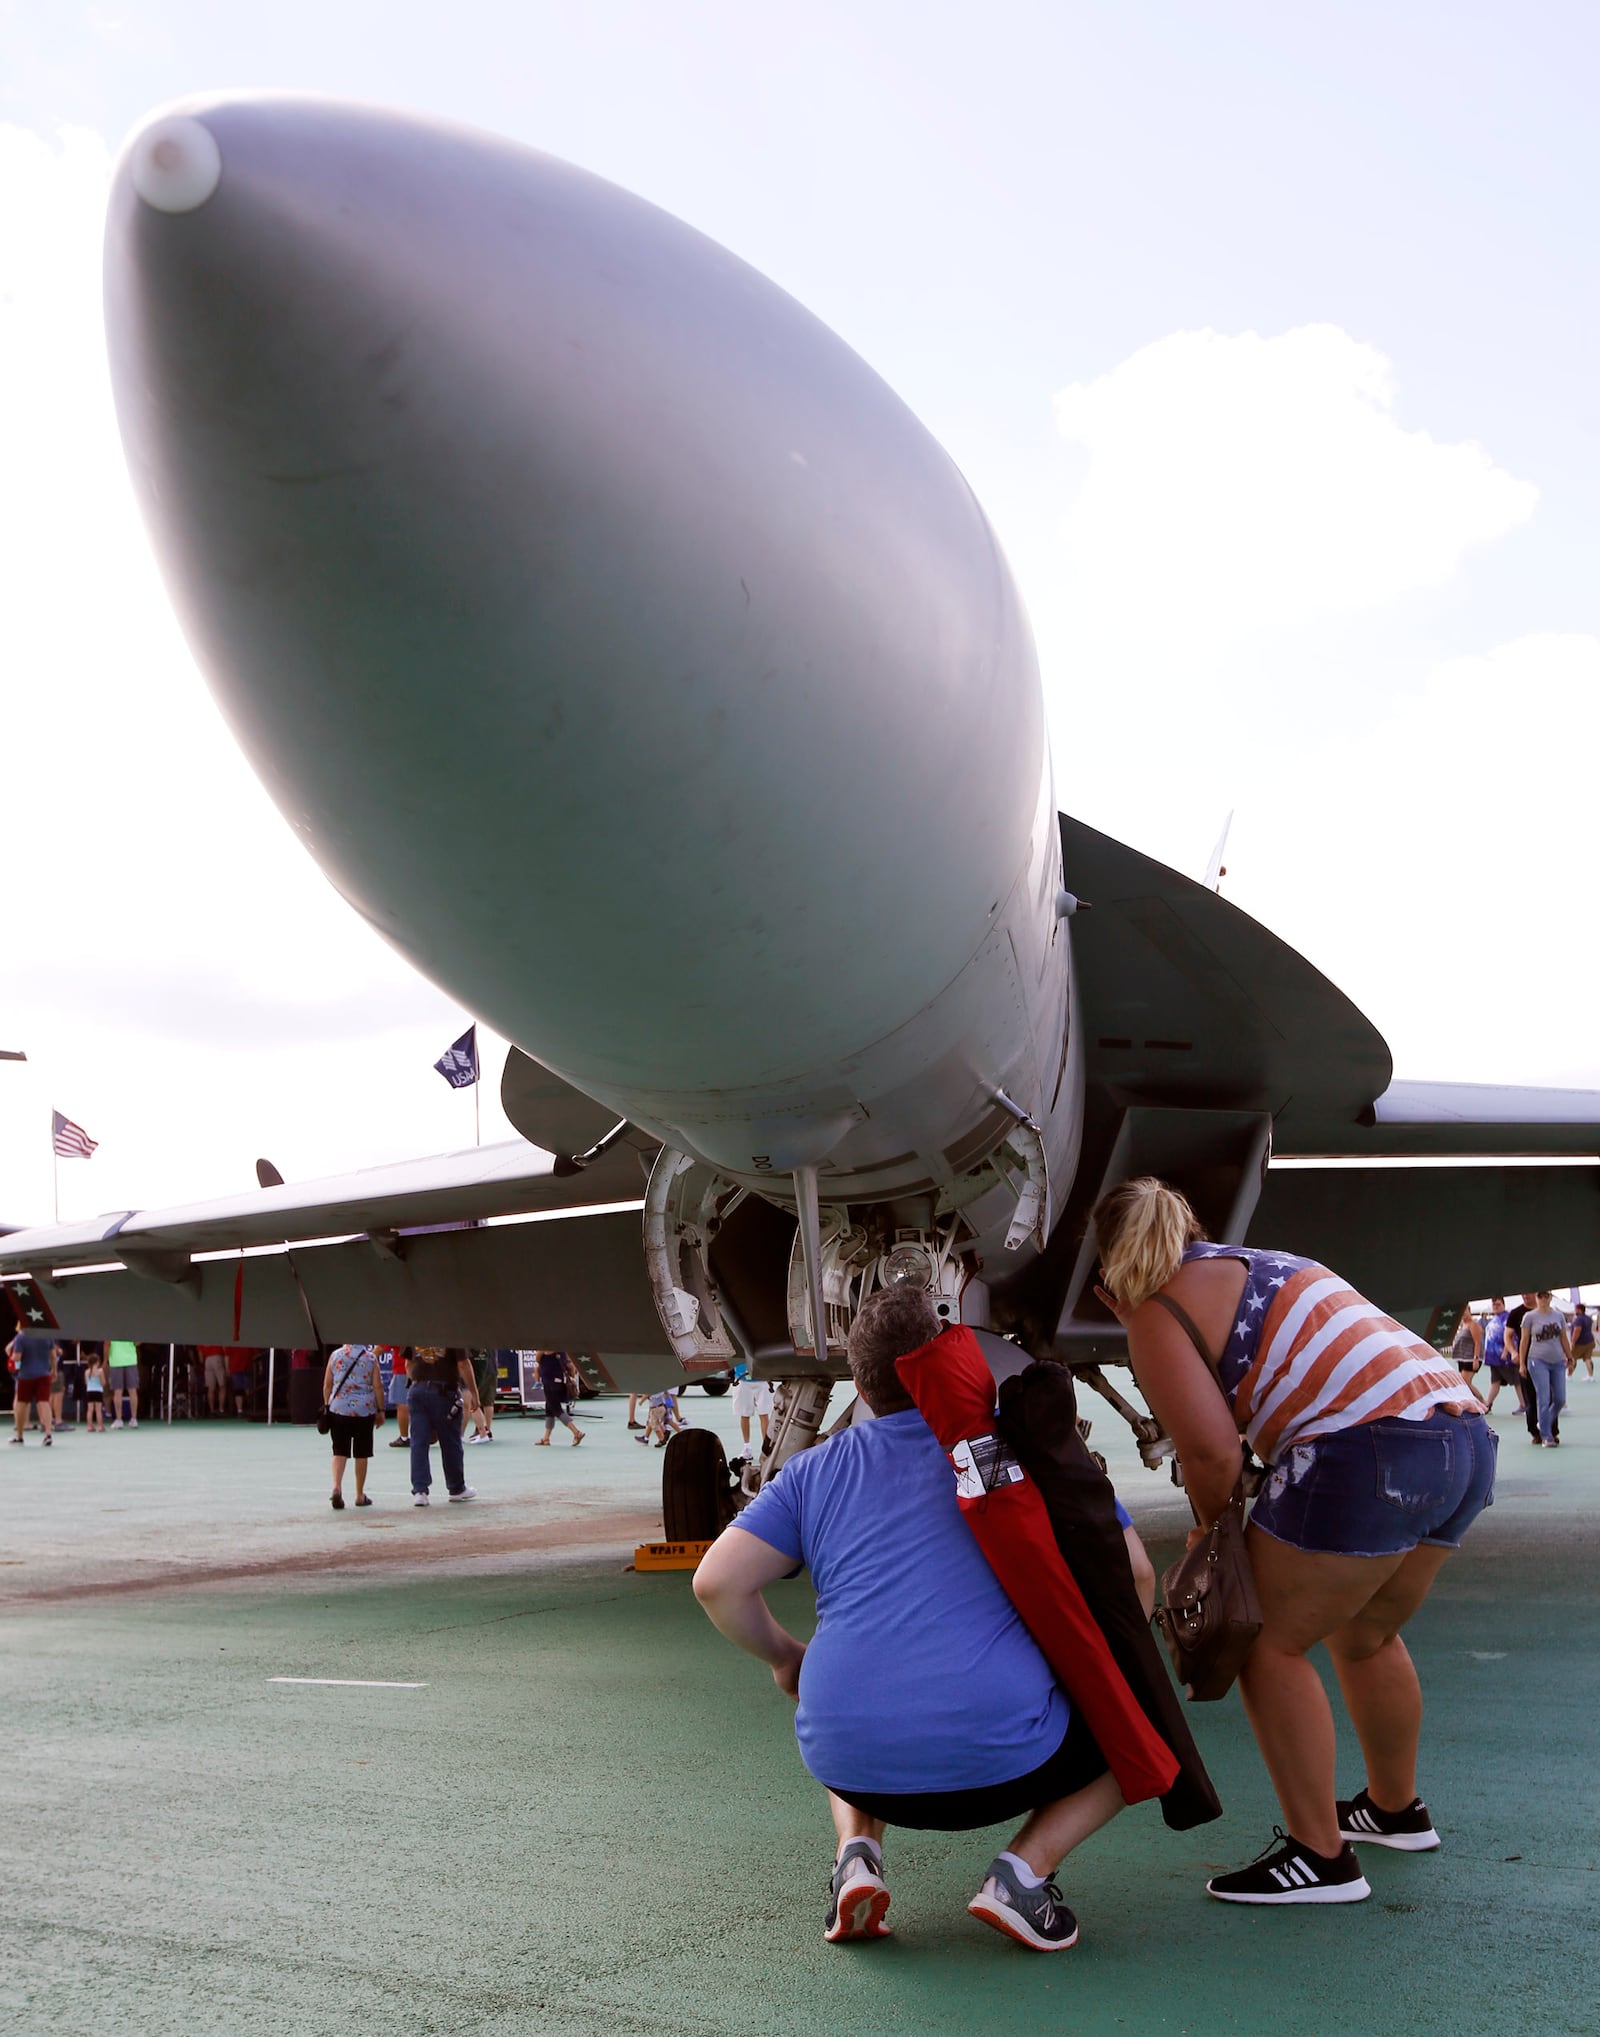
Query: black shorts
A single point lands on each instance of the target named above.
(557, 1408)
(1074, 1765)
(350, 1435)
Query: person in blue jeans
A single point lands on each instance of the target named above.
(1544, 1353)
(441, 1384)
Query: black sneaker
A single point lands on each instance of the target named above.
(1407, 1831)
(857, 1896)
(1035, 1917)
(1292, 1873)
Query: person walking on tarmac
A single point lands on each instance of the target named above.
(559, 1378)
(398, 1392)
(1544, 1354)
(1580, 1331)
(441, 1382)
(1467, 1350)
(1526, 1400)
(352, 1391)
(1499, 1356)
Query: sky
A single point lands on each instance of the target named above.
(1265, 335)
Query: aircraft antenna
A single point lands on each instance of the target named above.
(1216, 870)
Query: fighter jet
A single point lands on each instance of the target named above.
(629, 655)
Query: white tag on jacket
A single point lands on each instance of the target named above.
(982, 1463)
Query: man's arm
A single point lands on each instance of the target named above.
(469, 1381)
(734, 1572)
(1522, 1348)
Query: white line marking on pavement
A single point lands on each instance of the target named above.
(349, 1682)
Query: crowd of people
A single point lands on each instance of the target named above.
(1534, 1349)
(102, 1385)
(56, 1386)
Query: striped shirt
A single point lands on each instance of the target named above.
(1308, 1356)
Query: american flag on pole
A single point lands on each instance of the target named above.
(70, 1141)
(458, 1064)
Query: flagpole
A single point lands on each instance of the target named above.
(55, 1168)
(477, 1123)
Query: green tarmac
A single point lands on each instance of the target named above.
(590, 1816)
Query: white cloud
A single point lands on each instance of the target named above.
(1220, 607)
(1238, 484)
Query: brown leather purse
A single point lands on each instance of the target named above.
(1210, 1615)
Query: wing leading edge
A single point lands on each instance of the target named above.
(570, 1276)
(1426, 1235)
(508, 1179)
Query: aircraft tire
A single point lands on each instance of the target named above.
(696, 1489)
(715, 1387)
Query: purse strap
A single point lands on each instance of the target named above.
(343, 1380)
(1186, 1322)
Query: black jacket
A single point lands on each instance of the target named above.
(1039, 1421)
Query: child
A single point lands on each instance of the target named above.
(94, 1396)
(661, 1421)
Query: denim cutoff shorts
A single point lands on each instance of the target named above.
(1381, 1489)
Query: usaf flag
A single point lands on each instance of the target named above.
(459, 1064)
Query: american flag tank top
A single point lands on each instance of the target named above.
(1309, 1356)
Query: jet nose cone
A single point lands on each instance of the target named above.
(565, 582)
(174, 163)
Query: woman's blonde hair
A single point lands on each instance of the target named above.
(1140, 1230)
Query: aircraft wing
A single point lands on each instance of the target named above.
(1440, 1120)
(1209, 1043)
(557, 1262)
(1520, 1210)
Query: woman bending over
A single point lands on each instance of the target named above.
(1379, 1460)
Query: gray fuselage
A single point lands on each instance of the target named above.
(619, 644)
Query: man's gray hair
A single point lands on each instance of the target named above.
(888, 1325)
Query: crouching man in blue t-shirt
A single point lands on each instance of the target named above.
(923, 1700)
